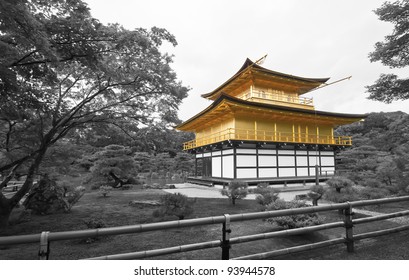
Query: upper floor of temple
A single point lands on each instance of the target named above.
(257, 84)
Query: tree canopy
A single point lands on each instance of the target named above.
(62, 71)
(379, 157)
(393, 52)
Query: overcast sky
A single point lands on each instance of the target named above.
(307, 38)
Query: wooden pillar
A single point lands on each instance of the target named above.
(234, 162)
(349, 234)
(275, 131)
(306, 133)
(332, 135)
(255, 130)
(293, 133)
(299, 134)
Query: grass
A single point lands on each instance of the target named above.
(116, 211)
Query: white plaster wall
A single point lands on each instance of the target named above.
(266, 152)
(286, 161)
(217, 167)
(302, 161)
(313, 160)
(285, 152)
(267, 172)
(246, 173)
(328, 171)
(267, 160)
(228, 152)
(246, 151)
(228, 168)
(246, 160)
(287, 172)
(302, 171)
(327, 161)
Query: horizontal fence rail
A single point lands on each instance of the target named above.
(225, 243)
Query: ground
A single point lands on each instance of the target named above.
(116, 211)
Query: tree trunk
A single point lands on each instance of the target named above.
(7, 205)
(5, 211)
(117, 182)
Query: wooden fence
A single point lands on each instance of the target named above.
(226, 242)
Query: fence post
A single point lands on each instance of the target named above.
(44, 251)
(226, 238)
(349, 234)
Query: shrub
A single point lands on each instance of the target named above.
(373, 193)
(349, 194)
(235, 190)
(74, 196)
(266, 194)
(176, 204)
(292, 221)
(130, 186)
(339, 182)
(93, 223)
(95, 185)
(316, 193)
(48, 197)
(105, 190)
(372, 183)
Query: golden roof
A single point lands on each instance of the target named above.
(254, 73)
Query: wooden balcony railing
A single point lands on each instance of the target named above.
(267, 97)
(267, 136)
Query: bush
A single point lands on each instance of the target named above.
(339, 182)
(373, 193)
(130, 186)
(48, 197)
(372, 183)
(93, 223)
(292, 221)
(74, 196)
(105, 190)
(176, 204)
(266, 194)
(235, 190)
(95, 185)
(349, 194)
(316, 193)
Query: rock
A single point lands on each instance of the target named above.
(156, 186)
(170, 187)
(143, 203)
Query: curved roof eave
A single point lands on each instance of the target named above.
(248, 63)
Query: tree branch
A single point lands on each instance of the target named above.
(9, 177)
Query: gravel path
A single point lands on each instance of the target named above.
(193, 190)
